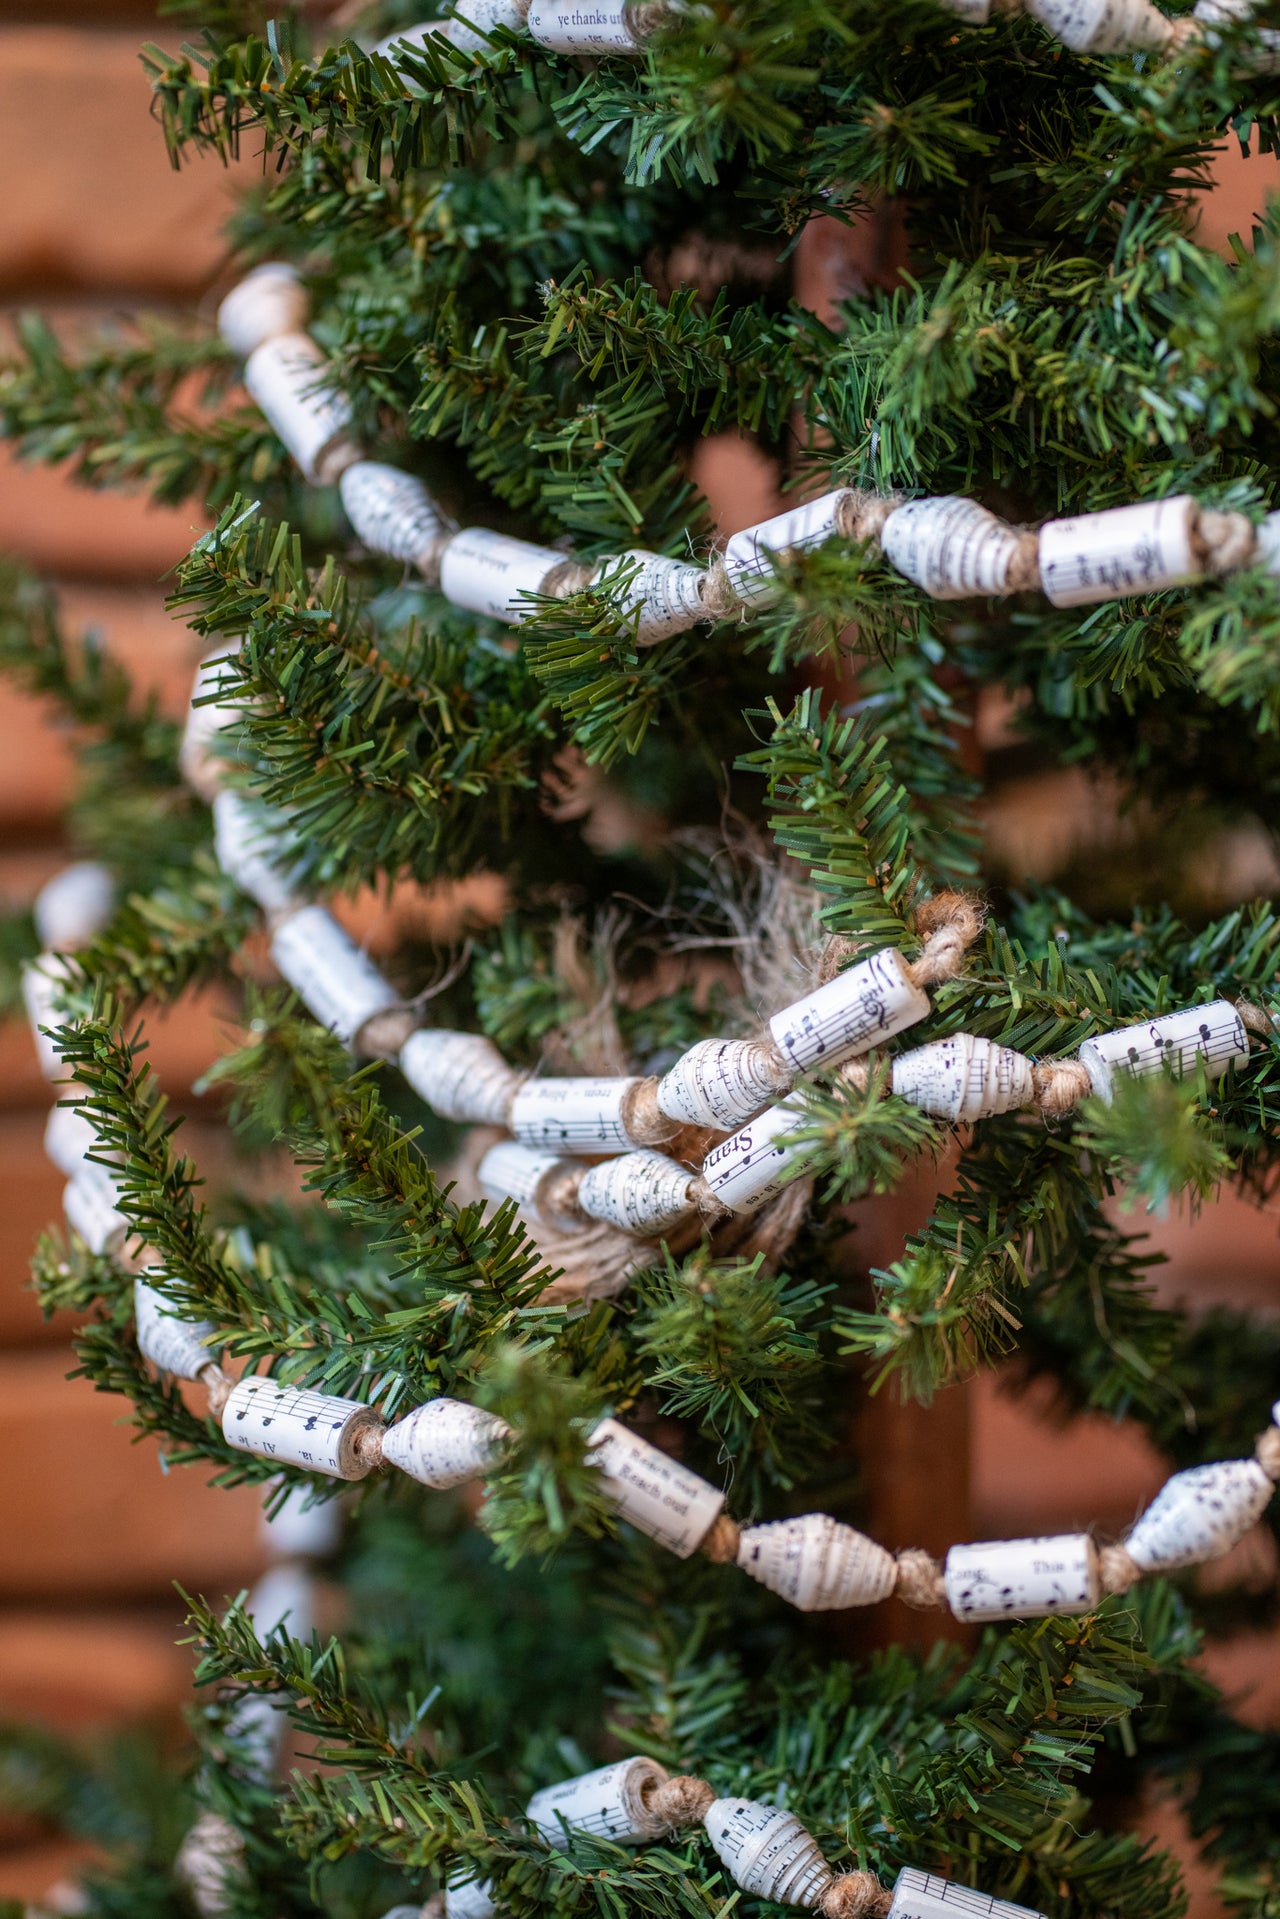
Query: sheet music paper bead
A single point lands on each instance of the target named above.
(964, 1078)
(445, 1442)
(317, 1431)
(747, 1170)
(608, 1803)
(582, 26)
(512, 1171)
(1023, 1578)
(269, 301)
(923, 1895)
(856, 1010)
(768, 1852)
(1128, 549)
(461, 1076)
(480, 17)
(68, 1139)
(657, 1495)
(1199, 1514)
(1103, 26)
(572, 1115)
(1265, 58)
(667, 594)
(337, 982)
(74, 906)
(89, 1203)
(470, 1899)
(953, 548)
(816, 1563)
(391, 512)
(488, 572)
(200, 763)
(640, 1192)
(42, 982)
(749, 555)
(244, 844)
(174, 1344)
(209, 1859)
(1214, 1033)
(289, 377)
(721, 1082)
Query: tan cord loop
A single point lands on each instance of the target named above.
(643, 1118)
(717, 593)
(218, 1387)
(1059, 1085)
(366, 1445)
(1224, 541)
(855, 1895)
(837, 951)
(571, 576)
(861, 516)
(856, 1073)
(704, 1200)
(920, 1582)
(720, 1544)
(1024, 568)
(949, 923)
(683, 1800)
(556, 1194)
(1118, 1571)
(1256, 1018)
(1267, 1452)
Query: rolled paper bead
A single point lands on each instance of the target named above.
(89, 1203)
(608, 1803)
(199, 757)
(248, 844)
(953, 548)
(721, 1082)
(750, 1168)
(209, 1859)
(1023, 1578)
(317, 1431)
(1103, 26)
(511, 1171)
(816, 1563)
(445, 1442)
(74, 906)
(269, 301)
(335, 980)
(640, 1192)
(461, 1076)
(768, 1852)
(43, 983)
(665, 594)
(657, 1495)
(1213, 1033)
(582, 26)
(258, 1724)
(391, 512)
(282, 1600)
(974, 13)
(289, 378)
(470, 1899)
(750, 556)
(572, 1115)
(173, 1343)
(853, 1012)
(469, 33)
(491, 573)
(923, 1895)
(69, 1139)
(1265, 58)
(1267, 543)
(964, 1078)
(1127, 549)
(296, 1528)
(1199, 1514)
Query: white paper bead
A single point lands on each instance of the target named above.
(88, 1202)
(337, 982)
(667, 594)
(721, 1082)
(42, 983)
(1128, 549)
(74, 906)
(964, 1078)
(640, 1192)
(445, 1442)
(174, 1344)
(269, 301)
(656, 1494)
(309, 1531)
(488, 572)
(1103, 26)
(1214, 1033)
(767, 1851)
(1218, 13)
(245, 844)
(608, 1803)
(816, 1563)
(199, 761)
(68, 1139)
(856, 1010)
(209, 1859)
(581, 26)
(511, 1171)
(283, 1599)
(1023, 1578)
(461, 1076)
(953, 548)
(1200, 1514)
(480, 17)
(974, 13)
(747, 1170)
(289, 378)
(391, 512)
(471, 1899)
(572, 1115)
(318, 1431)
(923, 1895)
(749, 555)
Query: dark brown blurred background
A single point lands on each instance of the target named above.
(93, 223)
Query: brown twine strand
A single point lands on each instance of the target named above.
(1267, 1452)
(682, 1800)
(570, 576)
(218, 1387)
(837, 951)
(643, 1118)
(1024, 568)
(856, 1072)
(1059, 1085)
(919, 1582)
(720, 1543)
(644, 17)
(717, 593)
(382, 1036)
(1224, 542)
(861, 516)
(855, 1895)
(950, 923)
(556, 1194)
(702, 1197)
(431, 558)
(366, 1444)
(1118, 1571)
(1256, 1018)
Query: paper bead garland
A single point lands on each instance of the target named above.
(335, 979)
(175, 1344)
(462, 1076)
(286, 376)
(392, 513)
(316, 1431)
(445, 1442)
(964, 1078)
(858, 1009)
(640, 1192)
(572, 1115)
(469, 1899)
(722, 1082)
(816, 1563)
(768, 1852)
(952, 548)
(1110, 555)
(924, 1895)
(268, 302)
(656, 1494)
(1213, 1033)
(1023, 1578)
(608, 1803)
(1199, 1514)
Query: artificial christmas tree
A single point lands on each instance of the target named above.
(571, 1219)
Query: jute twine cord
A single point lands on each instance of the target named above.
(644, 1119)
(720, 1545)
(644, 17)
(1059, 1085)
(1118, 1571)
(950, 922)
(683, 1800)
(1023, 575)
(1256, 1018)
(919, 1582)
(855, 1895)
(571, 576)
(1223, 542)
(1267, 1452)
